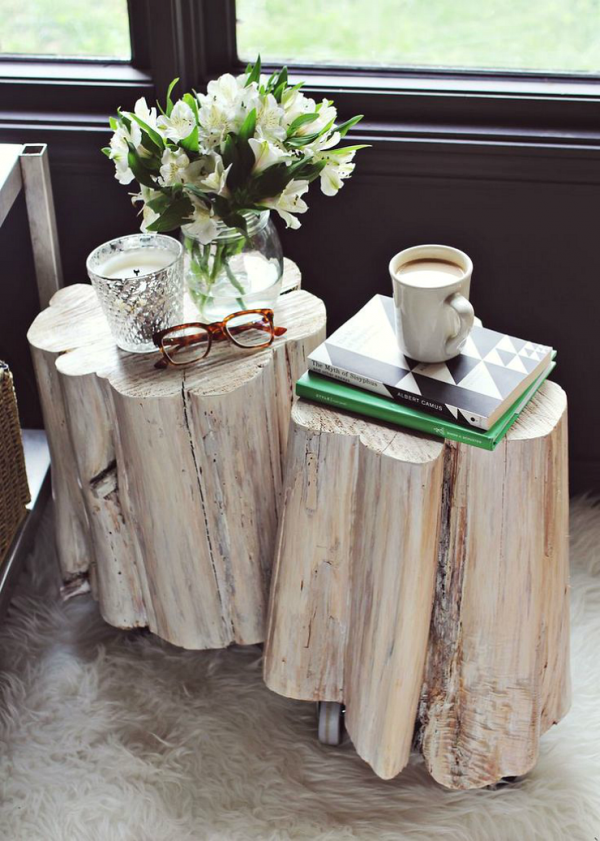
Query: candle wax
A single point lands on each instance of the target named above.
(135, 263)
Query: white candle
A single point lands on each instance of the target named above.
(135, 263)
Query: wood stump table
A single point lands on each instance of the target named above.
(167, 483)
(424, 584)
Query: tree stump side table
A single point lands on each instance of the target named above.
(167, 483)
(424, 584)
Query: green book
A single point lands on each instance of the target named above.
(341, 396)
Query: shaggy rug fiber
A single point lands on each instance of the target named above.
(116, 736)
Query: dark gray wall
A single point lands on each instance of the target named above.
(527, 217)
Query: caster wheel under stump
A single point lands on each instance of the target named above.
(331, 722)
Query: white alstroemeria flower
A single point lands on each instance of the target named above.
(320, 145)
(145, 194)
(326, 141)
(119, 150)
(269, 119)
(327, 113)
(203, 226)
(119, 142)
(290, 202)
(143, 152)
(224, 108)
(215, 124)
(295, 104)
(225, 90)
(148, 217)
(336, 169)
(216, 181)
(122, 172)
(148, 115)
(266, 154)
(180, 124)
(175, 168)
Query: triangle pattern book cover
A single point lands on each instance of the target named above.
(491, 372)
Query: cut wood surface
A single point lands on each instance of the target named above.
(424, 584)
(167, 483)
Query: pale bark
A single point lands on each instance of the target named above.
(173, 477)
(355, 570)
(377, 527)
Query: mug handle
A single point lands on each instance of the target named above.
(466, 314)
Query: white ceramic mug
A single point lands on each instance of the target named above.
(431, 294)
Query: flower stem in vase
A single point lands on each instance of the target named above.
(199, 265)
(231, 251)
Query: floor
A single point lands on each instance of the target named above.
(116, 736)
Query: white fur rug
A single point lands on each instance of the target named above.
(115, 736)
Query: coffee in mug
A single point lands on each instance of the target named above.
(431, 286)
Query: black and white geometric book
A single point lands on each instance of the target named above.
(475, 388)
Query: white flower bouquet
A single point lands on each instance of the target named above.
(249, 144)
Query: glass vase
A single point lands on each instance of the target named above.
(235, 271)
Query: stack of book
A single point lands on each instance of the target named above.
(474, 398)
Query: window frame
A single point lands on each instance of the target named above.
(195, 40)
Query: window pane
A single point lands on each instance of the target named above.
(65, 28)
(553, 35)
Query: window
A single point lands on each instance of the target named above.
(406, 82)
(65, 28)
(536, 35)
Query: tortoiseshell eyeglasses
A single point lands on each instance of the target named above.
(188, 343)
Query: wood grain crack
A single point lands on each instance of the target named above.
(226, 619)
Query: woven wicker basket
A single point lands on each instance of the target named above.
(14, 491)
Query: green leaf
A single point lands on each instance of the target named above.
(278, 92)
(154, 151)
(270, 82)
(254, 74)
(151, 164)
(345, 127)
(314, 171)
(243, 160)
(196, 191)
(281, 84)
(160, 203)
(106, 150)
(235, 220)
(221, 205)
(154, 136)
(192, 102)
(303, 140)
(124, 118)
(237, 152)
(300, 121)
(139, 172)
(296, 87)
(169, 100)
(179, 211)
(306, 170)
(230, 154)
(270, 182)
(283, 77)
(341, 149)
(113, 122)
(248, 126)
(190, 143)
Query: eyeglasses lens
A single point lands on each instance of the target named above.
(186, 344)
(250, 329)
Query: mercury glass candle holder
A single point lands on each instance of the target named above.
(139, 283)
